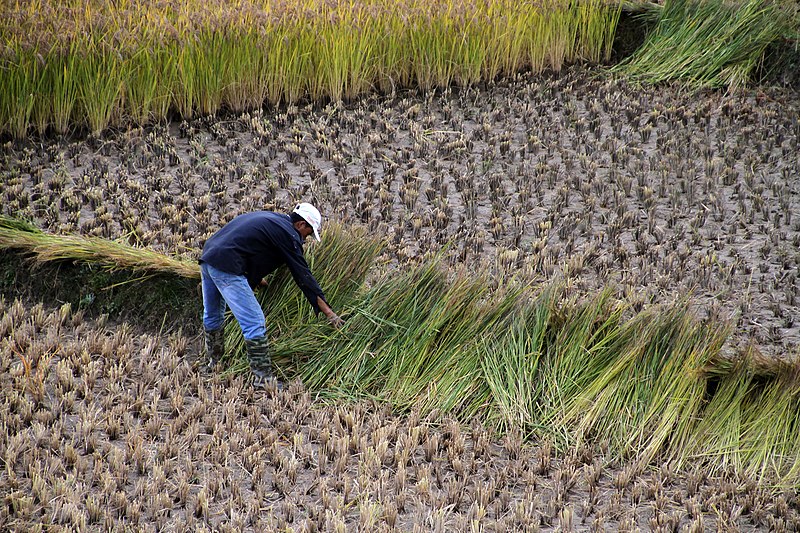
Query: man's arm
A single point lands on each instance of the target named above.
(308, 284)
(333, 318)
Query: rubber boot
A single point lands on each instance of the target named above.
(214, 346)
(260, 363)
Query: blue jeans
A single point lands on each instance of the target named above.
(221, 289)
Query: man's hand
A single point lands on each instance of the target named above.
(262, 283)
(335, 320)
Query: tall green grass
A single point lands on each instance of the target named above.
(647, 386)
(90, 65)
(711, 43)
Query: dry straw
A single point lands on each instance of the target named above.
(44, 247)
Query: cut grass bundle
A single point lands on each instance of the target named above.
(651, 392)
(18, 235)
(710, 43)
(750, 423)
(583, 339)
(415, 340)
(511, 364)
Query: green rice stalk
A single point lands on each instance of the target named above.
(41, 111)
(149, 78)
(19, 85)
(383, 323)
(505, 26)
(652, 381)
(709, 43)
(141, 86)
(511, 364)
(583, 339)
(770, 443)
(393, 70)
(343, 62)
(427, 47)
(448, 373)
(62, 81)
(678, 394)
(537, 42)
(99, 86)
(186, 89)
(246, 86)
(288, 62)
(415, 340)
(470, 52)
(210, 71)
(562, 32)
(596, 26)
(717, 439)
(340, 262)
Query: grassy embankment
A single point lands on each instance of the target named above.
(79, 65)
(650, 385)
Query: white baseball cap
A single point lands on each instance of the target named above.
(311, 215)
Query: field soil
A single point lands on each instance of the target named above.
(106, 428)
(578, 178)
(663, 193)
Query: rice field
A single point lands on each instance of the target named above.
(114, 429)
(111, 428)
(90, 65)
(570, 303)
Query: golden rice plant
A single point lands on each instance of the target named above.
(77, 64)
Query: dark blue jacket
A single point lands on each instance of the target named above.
(255, 244)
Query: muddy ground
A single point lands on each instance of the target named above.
(659, 192)
(662, 193)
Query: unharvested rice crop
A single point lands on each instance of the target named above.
(106, 63)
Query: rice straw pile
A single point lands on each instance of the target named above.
(650, 385)
(18, 235)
